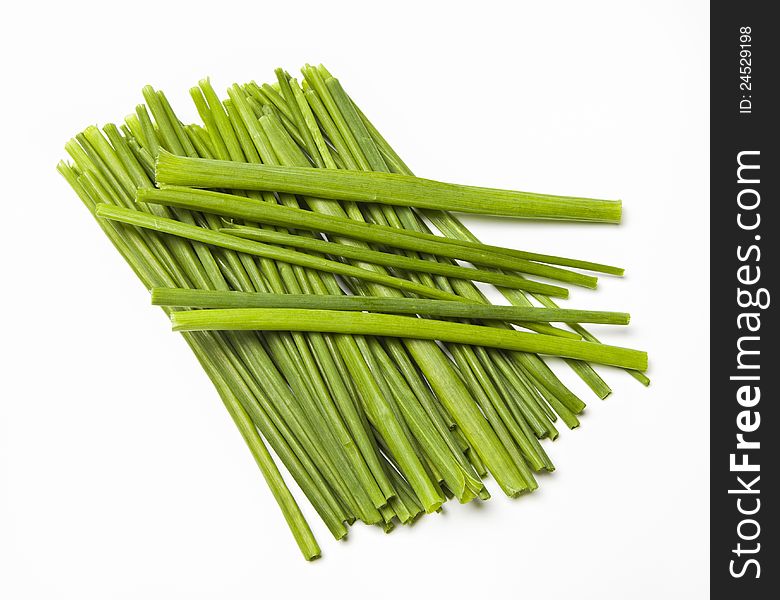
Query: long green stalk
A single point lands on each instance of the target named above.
(328, 393)
(286, 152)
(287, 319)
(381, 188)
(193, 266)
(409, 306)
(587, 335)
(317, 399)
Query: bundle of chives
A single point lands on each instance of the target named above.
(371, 428)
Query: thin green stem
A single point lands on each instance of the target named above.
(409, 306)
(331, 321)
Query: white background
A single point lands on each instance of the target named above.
(121, 476)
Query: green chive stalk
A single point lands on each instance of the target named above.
(549, 303)
(288, 319)
(385, 188)
(330, 356)
(410, 306)
(371, 400)
(428, 357)
(207, 236)
(203, 282)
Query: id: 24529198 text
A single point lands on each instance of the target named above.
(745, 70)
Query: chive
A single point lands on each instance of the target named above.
(364, 515)
(382, 188)
(482, 388)
(521, 429)
(457, 478)
(381, 416)
(323, 357)
(521, 254)
(357, 464)
(296, 450)
(430, 404)
(284, 319)
(320, 148)
(523, 398)
(295, 109)
(420, 306)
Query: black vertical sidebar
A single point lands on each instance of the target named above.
(744, 227)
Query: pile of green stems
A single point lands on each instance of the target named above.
(379, 430)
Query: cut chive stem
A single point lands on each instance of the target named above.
(381, 188)
(410, 221)
(331, 321)
(409, 306)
